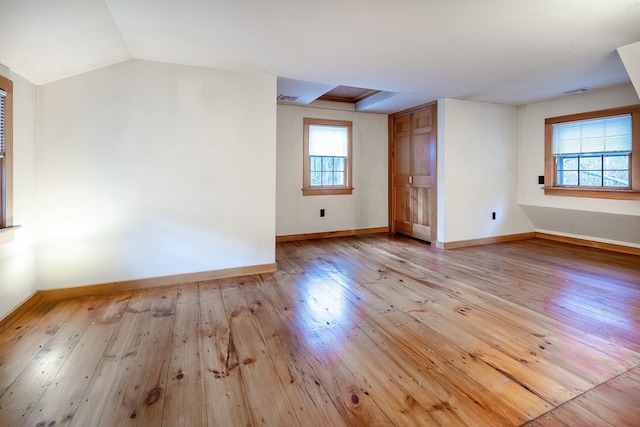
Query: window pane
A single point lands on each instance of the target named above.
(591, 178)
(568, 163)
(316, 163)
(327, 163)
(327, 178)
(616, 178)
(327, 170)
(316, 178)
(568, 178)
(616, 162)
(591, 163)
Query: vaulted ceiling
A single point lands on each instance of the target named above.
(502, 51)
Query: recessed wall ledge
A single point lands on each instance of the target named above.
(9, 228)
(593, 192)
(6, 233)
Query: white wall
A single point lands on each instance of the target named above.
(365, 208)
(478, 171)
(148, 169)
(630, 56)
(531, 120)
(18, 258)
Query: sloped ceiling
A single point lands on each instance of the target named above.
(501, 51)
(630, 55)
(49, 40)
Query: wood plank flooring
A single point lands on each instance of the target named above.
(375, 330)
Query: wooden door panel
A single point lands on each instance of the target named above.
(421, 152)
(421, 147)
(402, 124)
(402, 181)
(402, 171)
(421, 181)
(421, 206)
(421, 214)
(403, 155)
(403, 228)
(403, 204)
(402, 214)
(421, 232)
(422, 120)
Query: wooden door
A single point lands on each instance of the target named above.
(403, 166)
(413, 173)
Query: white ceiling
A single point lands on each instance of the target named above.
(504, 51)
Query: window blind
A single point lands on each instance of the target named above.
(328, 140)
(601, 135)
(3, 94)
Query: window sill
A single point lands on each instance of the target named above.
(6, 234)
(593, 193)
(324, 191)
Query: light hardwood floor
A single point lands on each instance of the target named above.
(369, 330)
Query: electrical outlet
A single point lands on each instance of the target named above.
(493, 215)
(321, 212)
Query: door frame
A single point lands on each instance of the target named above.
(434, 174)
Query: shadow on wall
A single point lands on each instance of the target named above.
(158, 247)
(601, 225)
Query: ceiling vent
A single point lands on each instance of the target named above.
(574, 91)
(287, 98)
